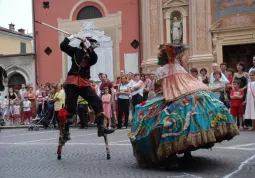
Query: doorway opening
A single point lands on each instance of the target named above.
(237, 53)
(16, 80)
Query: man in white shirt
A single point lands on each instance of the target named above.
(22, 91)
(131, 82)
(99, 84)
(215, 67)
(223, 68)
(38, 91)
(26, 110)
(122, 73)
(130, 77)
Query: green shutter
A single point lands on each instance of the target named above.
(22, 48)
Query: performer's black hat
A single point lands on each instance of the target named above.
(94, 43)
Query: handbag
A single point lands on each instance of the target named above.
(226, 95)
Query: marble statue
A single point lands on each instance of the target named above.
(176, 31)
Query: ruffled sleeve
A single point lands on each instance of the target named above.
(162, 72)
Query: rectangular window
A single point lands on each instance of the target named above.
(22, 48)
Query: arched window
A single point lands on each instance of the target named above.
(89, 12)
(16, 80)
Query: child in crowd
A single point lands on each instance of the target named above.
(236, 106)
(116, 86)
(250, 100)
(16, 111)
(93, 86)
(11, 112)
(106, 99)
(4, 106)
(230, 78)
(41, 98)
(26, 110)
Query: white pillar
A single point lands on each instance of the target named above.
(184, 23)
(168, 30)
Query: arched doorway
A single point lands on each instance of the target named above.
(232, 54)
(16, 80)
(233, 39)
(89, 12)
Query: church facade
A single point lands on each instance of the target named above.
(216, 31)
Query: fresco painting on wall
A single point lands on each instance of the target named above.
(229, 7)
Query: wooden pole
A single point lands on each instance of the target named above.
(42, 23)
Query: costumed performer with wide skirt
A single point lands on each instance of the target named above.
(185, 117)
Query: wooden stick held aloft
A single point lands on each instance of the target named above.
(45, 24)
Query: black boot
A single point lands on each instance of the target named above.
(187, 156)
(171, 162)
(70, 118)
(100, 125)
(66, 136)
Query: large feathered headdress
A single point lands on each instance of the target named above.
(168, 52)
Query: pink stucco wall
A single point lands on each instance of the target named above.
(50, 67)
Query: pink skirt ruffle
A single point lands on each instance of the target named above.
(180, 84)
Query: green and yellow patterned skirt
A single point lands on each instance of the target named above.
(192, 122)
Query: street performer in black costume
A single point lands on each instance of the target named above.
(78, 84)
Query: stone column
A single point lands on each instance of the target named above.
(200, 36)
(168, 30)
(152, 33)
(184, 22)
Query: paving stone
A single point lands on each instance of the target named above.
(27, 157)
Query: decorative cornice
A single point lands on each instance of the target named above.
(21, 37)
(201, 58)
(16, 55)
(175, 3)
(217, 30)
(182, 10)
(234, 22)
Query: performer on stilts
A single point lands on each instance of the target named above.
(185, 116)
(78, 84)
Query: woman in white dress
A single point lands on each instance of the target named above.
(250, 100)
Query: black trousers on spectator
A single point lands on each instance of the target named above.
(123, 108)
(136, 99)
(39, 109)
(145, 96)
(113, 116)
(55, 118)
(83, 114)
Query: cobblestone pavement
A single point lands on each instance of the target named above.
(28, 154)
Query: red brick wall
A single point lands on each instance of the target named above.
(50, 67)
